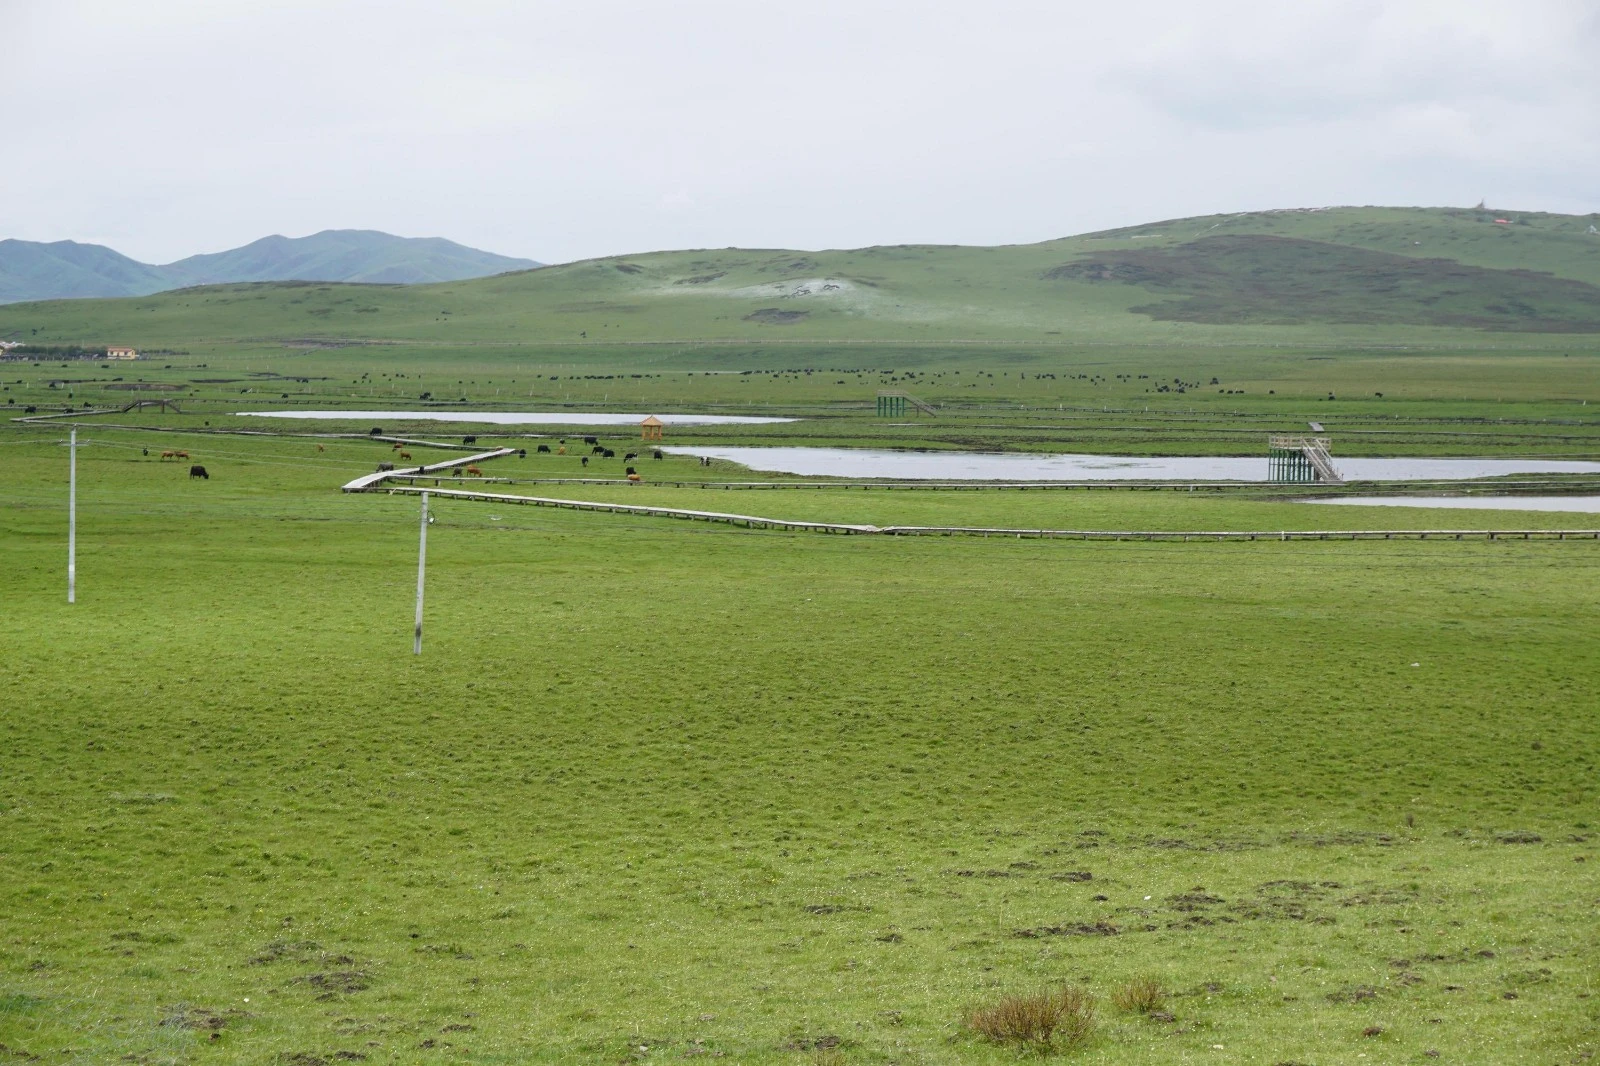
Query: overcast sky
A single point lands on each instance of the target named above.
(560, 131)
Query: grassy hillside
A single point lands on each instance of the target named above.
(1347, 277)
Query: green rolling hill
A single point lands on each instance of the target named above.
(1338, 276)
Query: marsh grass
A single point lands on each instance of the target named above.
(1054, 1019)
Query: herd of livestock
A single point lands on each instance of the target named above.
(597, 449)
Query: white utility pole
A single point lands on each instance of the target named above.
(422, 564)
(72, 521)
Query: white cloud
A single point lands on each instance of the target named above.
(559, 130)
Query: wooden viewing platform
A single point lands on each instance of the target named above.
(1301, 459)
(892, 402)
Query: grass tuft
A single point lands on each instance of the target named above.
(1139, 996)
(1060, 1019)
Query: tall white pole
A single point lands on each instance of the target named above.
(422, 564)
(72, 521)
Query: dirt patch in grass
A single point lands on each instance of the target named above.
(1518, 836)
(203, 1019)
(1100, 928)
(1194, 899)
(776, 316)
(336, 983)
(279, 950)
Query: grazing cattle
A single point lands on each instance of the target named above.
(456, 472)
(168, 455)
(181, 454)
(469, 440)
(634, 477)
(385, 466)
(630, 470)
(607, 453)
(591, 440)
(630, 455)
(375, 431)
(657, 455)
(561, 450)
(396, 447)
(199, 471)
(405, 455)
(473, 471)
(147, 451)
(320, 448)
(544, 447)
(585, 460)
(598, 449)
(522, 453)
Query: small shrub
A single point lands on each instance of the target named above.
(1139, 996)
(1061, 1018)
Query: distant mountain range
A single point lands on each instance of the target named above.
(31, 270)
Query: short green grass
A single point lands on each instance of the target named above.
(657, 790)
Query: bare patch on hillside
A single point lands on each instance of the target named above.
(1261, 280)
(776, 316)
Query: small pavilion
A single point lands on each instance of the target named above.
(650, 428)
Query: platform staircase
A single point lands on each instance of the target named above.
(893, 402)
(1301, 459)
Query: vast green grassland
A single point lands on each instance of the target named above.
(657, 790)
(654, 791)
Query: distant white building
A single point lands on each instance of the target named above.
(122, 353)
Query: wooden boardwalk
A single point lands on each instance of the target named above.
(1587, 487)
(762, 522)
(368, 482)
(388, 481)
